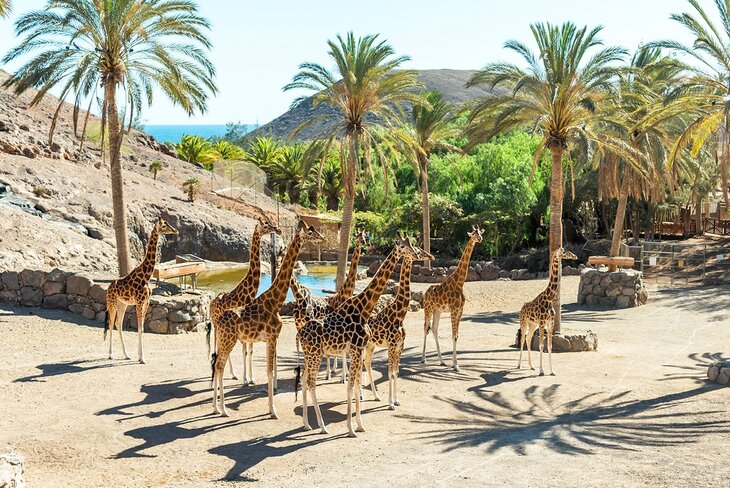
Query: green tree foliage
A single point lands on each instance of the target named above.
(5, 8)
(198, 151)
(228, 151)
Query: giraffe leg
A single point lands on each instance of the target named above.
(223, 352)
(141, 314)
(523, 338)
(356, 367)
(312, 361)
(251, 380)
(270, 360)
(121, 310)
(344, 366)
(355, 373)
(329, 370)
(396, 368)
(541, 335)
(427, 314)
(550, 351)
(305, 406)
(233, 371)
(111, 316)
(531, 331)
(435, 329)
(369, 366)
(276, 372)
(455, 318)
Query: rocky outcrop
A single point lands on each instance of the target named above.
(620, 289)
(12, 468)
(169, 312)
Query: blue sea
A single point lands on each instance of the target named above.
(173, 133)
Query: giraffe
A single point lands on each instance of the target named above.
(259, 321)
(386, 329)
(540, 313)
(348, 288)
(345, 330)
(448, 295)
(134, 289)
(243, 293)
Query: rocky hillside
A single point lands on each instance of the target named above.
(55, 200)
(449, 82)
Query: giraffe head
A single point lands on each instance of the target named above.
(162, 227)
(563, 253)
(475, 234)
(268, 227)
(424, 256)
(309, 233)
(362, 237)
(405, 248)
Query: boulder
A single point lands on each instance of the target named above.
(31, 297)
(29, 277)
(97, 293)
(12, 467)
(373, 268)
(53, 288)
(56, 275)
(88, 313)
(9, 296)
(76, 308)
(159, 312)
(179, 316)
(490, 271)
(417, 296)
(11, 280)
(414, 306)
(78, 285)
(160, 326)
(56, 302)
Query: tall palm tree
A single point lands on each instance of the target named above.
(705, 94)
(556, 95)
(430, 127)
(650, 78)
(366, 91)
(129, 46)
(5, 8)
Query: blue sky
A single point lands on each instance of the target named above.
(258, 45)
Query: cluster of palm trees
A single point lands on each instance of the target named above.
(644, 123)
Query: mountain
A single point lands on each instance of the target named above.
(449, 82)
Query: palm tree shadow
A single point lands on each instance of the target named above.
(71, 367)
(696, 372)
(580, 426)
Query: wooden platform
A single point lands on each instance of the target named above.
(616, 261)
(181, 269)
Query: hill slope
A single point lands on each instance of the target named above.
(447, 81)
(55, 199)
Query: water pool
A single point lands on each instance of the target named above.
(319, 278)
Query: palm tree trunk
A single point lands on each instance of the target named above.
(115, 148)
(347, 209)
(556, 220)
(426, 209)
(725, 166)
(618, 226)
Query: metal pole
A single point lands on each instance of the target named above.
(273, 243)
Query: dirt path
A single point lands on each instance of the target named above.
(636, 413)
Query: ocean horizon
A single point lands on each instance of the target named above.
(175, 132)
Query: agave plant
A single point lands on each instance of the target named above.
(367, 90)
(117, 46)
(557, 95)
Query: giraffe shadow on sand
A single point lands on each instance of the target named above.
(589, 424)
(247, 454)
(49, 370)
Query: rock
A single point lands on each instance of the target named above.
(417, 296)
(570, 271)
(159, 313)
(287, 309)
(613, 290)
(490, 271)
(439, 271)
(88, 313)
(9, 296)
(713, 372)
(33, 278)
(416, 269)
(95, 233)
(76, 308)
(373, 268)
(101, 316)
(179, 316)
(56, 302)
(56, 275)
(24, 127)
(97, 293)
(472, 275)
(414, 306)
(724, 377)
(504, 274)
(623, 302)
(78, 285)
(56, 148)
(560, 343)
(12, 468)
(10, 280)
(160, 326)
(31, 297)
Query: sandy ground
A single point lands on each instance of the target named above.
(636, 413)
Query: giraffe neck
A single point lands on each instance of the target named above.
(300, 293)
(147, 266)
(403, 298)
(246, 289)
(282, 282)
(554, 281)
(365, 301)
(349, 285)
(459, 275)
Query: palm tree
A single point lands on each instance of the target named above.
(191, 186)
(198, 151)
(650, 78)
(131, 45)
(229, 151)
(332, 184)
(155, 167)
(263, 152)
(5, 8)
(704, 94)
(366, 91)
(289, 172)
(556, 96)
(431, 127)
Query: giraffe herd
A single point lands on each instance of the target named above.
(343, 325)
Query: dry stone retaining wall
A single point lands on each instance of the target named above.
(620, 289)
(61, 290)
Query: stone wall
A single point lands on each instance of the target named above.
(620, 289)
(60, 290)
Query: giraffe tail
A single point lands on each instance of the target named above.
(213, 360)
(208, 329)
(297, 381)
